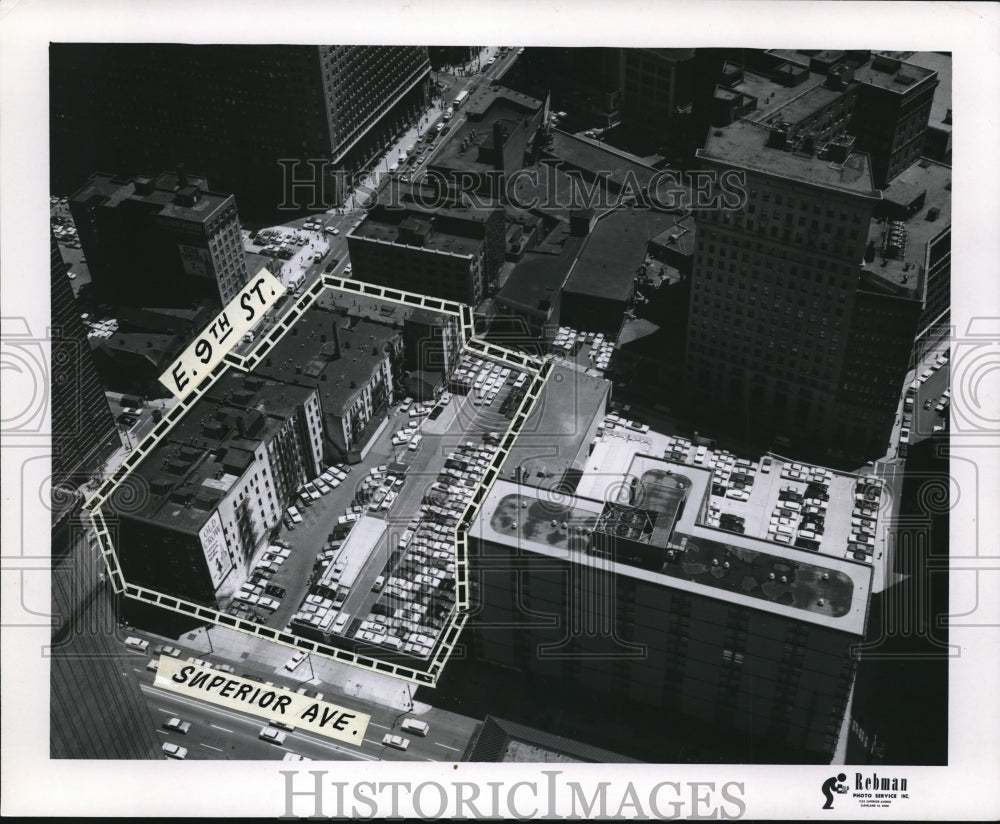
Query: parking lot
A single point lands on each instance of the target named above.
(367, 552)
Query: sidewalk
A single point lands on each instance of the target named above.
(237, 648)
(392, 155)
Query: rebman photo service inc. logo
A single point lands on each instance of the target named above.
(868, 789)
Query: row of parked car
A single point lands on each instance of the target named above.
(864, 517)
(331, 478)
(799, 517)
(418, 595)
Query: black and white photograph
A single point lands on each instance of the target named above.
(584, 427)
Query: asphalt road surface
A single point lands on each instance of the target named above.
(219, 733)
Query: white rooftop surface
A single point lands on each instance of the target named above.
(853, 621)
(357, 549)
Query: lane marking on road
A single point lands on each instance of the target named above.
(162, 732)
(210, 747)
(439, 744)
(168, 712)
(220, 728)
(380, 726)
(253, 721)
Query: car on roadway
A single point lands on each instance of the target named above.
(272, 735)
(171, 750)
(395, 741)
(420, 728)
(138, 644)
(199, 662)
(173, 652)
(275, 591)
(294, 756)
(176, 725)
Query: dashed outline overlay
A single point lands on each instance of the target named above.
(538, 369)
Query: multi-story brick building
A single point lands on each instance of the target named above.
(164, 241)
(352, 363)
(449, 251)
(891, 113)
(216, 485)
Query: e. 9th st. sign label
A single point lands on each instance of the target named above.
(222, 334)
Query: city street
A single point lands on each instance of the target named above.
(220, 733)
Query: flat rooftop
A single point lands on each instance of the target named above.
(592, 157)
(165, 195)
(744, 145)
(925, 178)
(308, 355)
(493, 104)
(614, 251)
(443, 230)
(142, 346)
(941, 105)
(842, 586)
(776, 101)
(250, 391)
(355, 552)
(888, 72)
(560, 424)
(544, 188)
(537, 280)
(679, 238)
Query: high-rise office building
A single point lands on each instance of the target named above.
(254, 117)
(84, 434)
(635, 588)
(788, 324)
(164, 241)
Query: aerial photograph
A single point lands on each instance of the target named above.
(502, 405)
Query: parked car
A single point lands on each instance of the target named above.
(308, 693)
(139, 644)
(293, 662)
